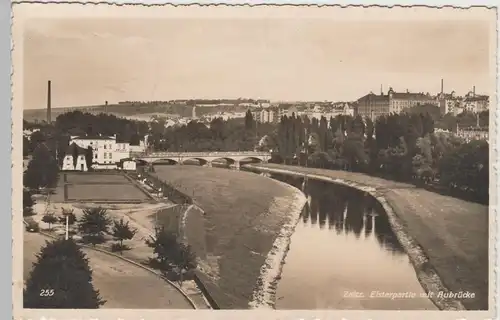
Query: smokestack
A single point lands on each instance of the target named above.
(49, 103)
(381, 90)
(442, 85)
(474, 91)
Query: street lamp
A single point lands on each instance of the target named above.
(67, 227)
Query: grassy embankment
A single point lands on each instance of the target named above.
(452, 233)
(243, 214)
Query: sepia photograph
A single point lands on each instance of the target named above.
(242, 158)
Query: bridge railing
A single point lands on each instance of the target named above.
(204, 154)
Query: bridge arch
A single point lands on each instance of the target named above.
(226, 159)
(165, 161)
(141, 162)
(201, 161)
(251, 160)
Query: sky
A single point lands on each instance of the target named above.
(91, 60)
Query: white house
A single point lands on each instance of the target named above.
(106, 151)
(70, 163)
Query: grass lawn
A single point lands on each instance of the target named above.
(453, 233)
(238, 229)
(89, 177)
(102, 192)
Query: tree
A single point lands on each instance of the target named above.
(249, 121)
(26, 146)
(122, 231)
(27, 203)
(89, 157)
(164, 244)
(42, 171)
(50, 219)
(36, 139)
(93, 224)
(61, 278)
(185, 259)
(74, 153)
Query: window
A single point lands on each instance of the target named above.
(105, 146)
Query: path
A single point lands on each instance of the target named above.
(122, 284)
(453, 233)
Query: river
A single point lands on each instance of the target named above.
(344, 255)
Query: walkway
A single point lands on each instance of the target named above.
(122, 284)
(453, 233)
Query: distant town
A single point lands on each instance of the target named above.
(181, 112)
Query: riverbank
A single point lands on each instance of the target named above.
(446, 238)
(242, 235)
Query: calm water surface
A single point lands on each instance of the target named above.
(342, 251)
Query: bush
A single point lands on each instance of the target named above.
(50, 219)
(93, 225)
(32, 226)
(118, 247)
(93, 239)
(122, 231)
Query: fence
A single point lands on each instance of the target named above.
(169, 191)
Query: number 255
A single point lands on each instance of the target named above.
(47, 293)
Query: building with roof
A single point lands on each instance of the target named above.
(473, 133)
(70, 163)
(107, 152)
(475, 102)
(266, 115)
(128, 164)
(374, 106)
(449, 103)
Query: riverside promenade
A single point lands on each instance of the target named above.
(452, 233)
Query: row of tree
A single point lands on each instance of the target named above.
(219, 135)
(397, 146)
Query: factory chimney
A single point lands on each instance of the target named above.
(49, 103)
(474, 91)
(442, 85)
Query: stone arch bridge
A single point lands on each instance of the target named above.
(205, 158)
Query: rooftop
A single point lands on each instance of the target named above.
(70, 150)
(93, 137)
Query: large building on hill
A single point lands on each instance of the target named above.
(475, 102)
(374, 106)
(266, 115)
(449, 103)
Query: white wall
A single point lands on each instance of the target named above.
(105, 151)
(80, 163)
(129, 165)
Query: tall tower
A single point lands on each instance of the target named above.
(49, 102)
(442, 85)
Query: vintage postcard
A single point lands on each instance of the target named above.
(275, 162)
